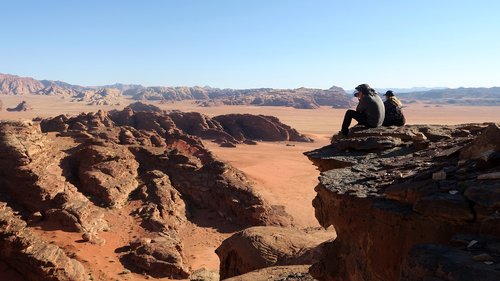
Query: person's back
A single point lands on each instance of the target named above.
(370, 111)
(373, 107)
(393, 112)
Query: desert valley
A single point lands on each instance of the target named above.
(204, 184)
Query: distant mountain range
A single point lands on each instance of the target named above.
(206, 96)
(304, 98)
(459, 96)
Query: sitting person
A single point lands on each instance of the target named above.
(369, 112)
(393, 112)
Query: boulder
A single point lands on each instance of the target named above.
(204, 274)
(159, 257)
(259, 247)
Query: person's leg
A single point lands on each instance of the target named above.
(349, 115)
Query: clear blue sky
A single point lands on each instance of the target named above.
(254, 43)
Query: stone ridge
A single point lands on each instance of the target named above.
(386, 190)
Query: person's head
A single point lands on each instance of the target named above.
(389, 94)
(365, 90)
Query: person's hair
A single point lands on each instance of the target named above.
(366, 90)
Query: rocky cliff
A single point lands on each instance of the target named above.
(410, 203)
(71, 173)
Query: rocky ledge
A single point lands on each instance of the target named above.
(411, 203)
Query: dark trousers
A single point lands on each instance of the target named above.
(349, 115)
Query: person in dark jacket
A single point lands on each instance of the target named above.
(393, 112)
(370, 111)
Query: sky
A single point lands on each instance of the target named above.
(254, 43)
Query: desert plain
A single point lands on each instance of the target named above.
(280, 171)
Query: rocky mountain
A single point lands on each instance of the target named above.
(204, 96)
(459, 96)
(15, 85)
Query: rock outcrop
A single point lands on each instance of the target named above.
(260, 247)
(68, 173)
(147, 124)
(159, 257)
(107, 172)
(387, 190)
(103, 96)
(33, 178)
(258, 127)
(23, 106)
(34, 258)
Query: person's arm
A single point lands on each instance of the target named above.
(361, 105)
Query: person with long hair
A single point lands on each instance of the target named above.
(393, 110)
(370, 111)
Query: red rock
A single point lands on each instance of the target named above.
(106, 172)
(260, 247)
(32, 257)
(159, 257)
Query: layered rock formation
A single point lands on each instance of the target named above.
(67, 172)
(399, 197)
